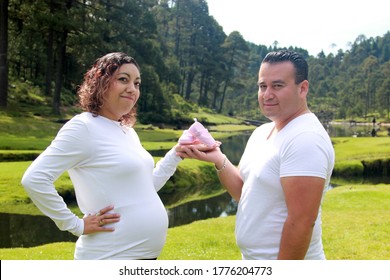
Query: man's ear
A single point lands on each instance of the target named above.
(304, 88)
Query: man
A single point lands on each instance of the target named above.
(284, 171)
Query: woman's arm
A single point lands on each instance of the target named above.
(165, 168)
(38, 180)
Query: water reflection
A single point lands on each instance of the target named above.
(349, 130)
(234, 146)
(222, 205)
(28, 230)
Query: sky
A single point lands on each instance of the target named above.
(314, 25)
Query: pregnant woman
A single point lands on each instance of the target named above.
(114, 177)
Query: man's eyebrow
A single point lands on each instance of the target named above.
(278, 82)
(259, 83)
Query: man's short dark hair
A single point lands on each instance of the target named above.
(299, 62)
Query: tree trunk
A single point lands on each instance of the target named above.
(59, 73)
(177, 30)
(61, 51)
(228, 75)
(215, 91)
(203, 89)
(190, 79)
(223, 97)
(49, 59)
(3, 53)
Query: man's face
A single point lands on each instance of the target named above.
(280, 99)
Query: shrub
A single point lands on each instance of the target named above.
(351, 168)
(376, 167)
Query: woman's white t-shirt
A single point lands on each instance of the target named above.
(108, 166)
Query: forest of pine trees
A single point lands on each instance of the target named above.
(185, 57)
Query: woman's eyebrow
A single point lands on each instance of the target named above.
(124, 73)
(128, 75)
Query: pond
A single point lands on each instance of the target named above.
(27, 230)
(352, 129)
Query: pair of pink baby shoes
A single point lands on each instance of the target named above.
(197, 134)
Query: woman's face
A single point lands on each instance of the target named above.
(123, 92)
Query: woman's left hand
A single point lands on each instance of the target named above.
(97, 222)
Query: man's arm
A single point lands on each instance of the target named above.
(229, 176)
(228, 173)
(303, 198)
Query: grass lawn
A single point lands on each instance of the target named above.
(356, 226)
(356, 218)
(356, 222)
(361, 148)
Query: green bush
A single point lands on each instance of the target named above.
(12, 156)
(348, 169)
(26, 92)
(182, 105)
(377, 167)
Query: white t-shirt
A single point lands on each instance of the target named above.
(108, 166)
(301, 148)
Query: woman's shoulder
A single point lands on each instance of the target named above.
(84, 118)
(77, 122)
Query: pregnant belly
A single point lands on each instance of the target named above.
(140, 234)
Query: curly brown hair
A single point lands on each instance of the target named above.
(96, 83)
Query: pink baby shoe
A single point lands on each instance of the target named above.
(197, 133)
(187, 138)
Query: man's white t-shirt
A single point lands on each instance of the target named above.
(301, 148)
